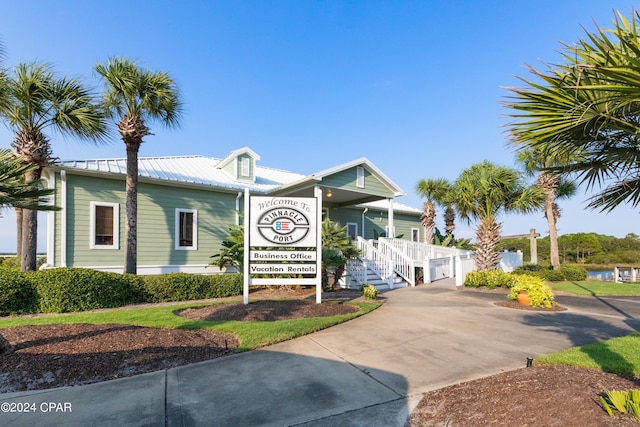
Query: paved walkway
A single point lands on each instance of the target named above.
(371, 371)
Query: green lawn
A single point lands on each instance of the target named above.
(595, 288)
(617, 355)
(251, 334)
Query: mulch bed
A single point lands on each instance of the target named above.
(542, 395)
(50, 356)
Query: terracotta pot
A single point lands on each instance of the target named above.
(523, 298)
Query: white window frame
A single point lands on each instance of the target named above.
(352, 224)
(415, 232)
(245, 167)
(194, 247)
(359, 177)
(92, 225)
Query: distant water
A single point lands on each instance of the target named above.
(605, 275)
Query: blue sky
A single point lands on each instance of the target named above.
(414, 86)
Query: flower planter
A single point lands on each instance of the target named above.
(523, 298)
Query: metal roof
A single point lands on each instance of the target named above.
(206, 171)
(198, 170)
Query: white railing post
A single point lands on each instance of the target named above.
(459, 275)
(426, 270)
(452, 272)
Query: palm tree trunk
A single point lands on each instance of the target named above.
(553, 234)
(5, 346)
(19, 233)
(131, 227)
(487, 239)
(29, 229)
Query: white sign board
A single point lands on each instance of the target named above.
(283, 237)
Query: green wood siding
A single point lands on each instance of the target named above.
(347, 180)
(375, 220)
(156, 222)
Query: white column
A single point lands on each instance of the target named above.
(63, 218)
(245, 271)
(392, 228)
(318, 194)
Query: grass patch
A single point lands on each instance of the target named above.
(617, 355)
(599, 289)
(252, 335)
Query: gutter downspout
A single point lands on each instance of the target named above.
(363, 213)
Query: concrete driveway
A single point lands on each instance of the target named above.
(371, 371)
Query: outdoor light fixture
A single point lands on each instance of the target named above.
(329, 193)
(529, 362)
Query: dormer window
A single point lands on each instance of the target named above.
(360, 177)
(240, 164)
(245, 167)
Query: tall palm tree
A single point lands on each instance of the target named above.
(554, 186)
(435, 190)
(134, 95)
(482, 192)
(37, 100)
(589, 105)
(14, 192)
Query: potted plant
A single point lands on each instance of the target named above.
(532, 289)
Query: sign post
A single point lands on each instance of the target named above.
(282, 241)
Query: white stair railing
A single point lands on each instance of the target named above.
(403, 264)
(375, 260)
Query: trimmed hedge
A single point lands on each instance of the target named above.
(566, 272)
(17, 293)
(491, 279)
(63, 290)
(185, 287)
(77, 289)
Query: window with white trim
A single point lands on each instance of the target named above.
(186, 229)
(415, 235)
(104, 225)
(245, 167)
(352, 230)
(360, 177)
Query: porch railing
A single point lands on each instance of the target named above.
(403, 264)
(371, 258)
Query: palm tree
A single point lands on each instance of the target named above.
(482, 192)
(435, 191)
(134, 96)
(14, 192)
(589, 105)
(37, 100)
(554, 186)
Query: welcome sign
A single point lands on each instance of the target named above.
(282, 239)
(283, 222)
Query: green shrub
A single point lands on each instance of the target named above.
(186, 287)
(17, 293)
(10, 262)
(491, 279)
(566, 272)
(540, 294)
(77, 289)
(528, 268)
(551, 275)
(573, 272)
(370, 292)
